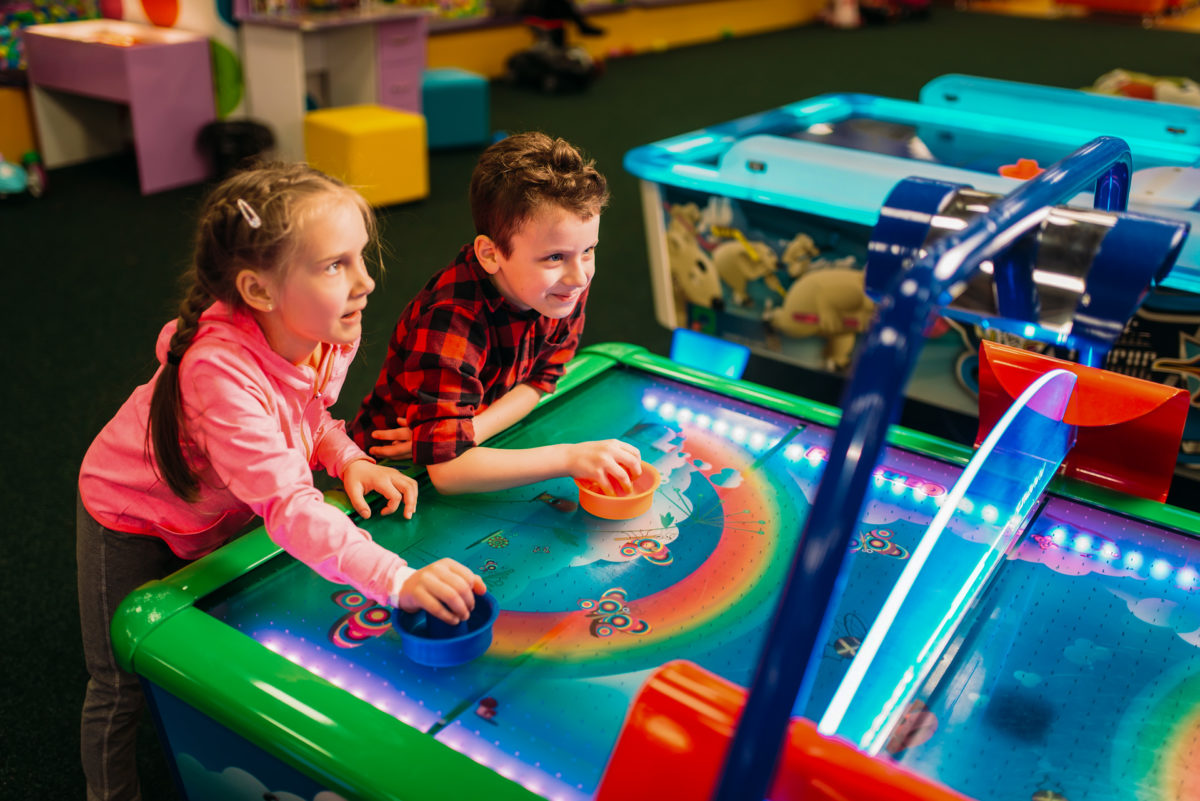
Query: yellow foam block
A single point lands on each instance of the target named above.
(381, 152)
(16, 124)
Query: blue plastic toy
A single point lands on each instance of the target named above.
(26, 176)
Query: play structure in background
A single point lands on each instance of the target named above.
(758, 228)
(373, 53)
(1148, 10)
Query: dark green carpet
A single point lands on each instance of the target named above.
(95, 264)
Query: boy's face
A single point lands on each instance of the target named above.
(551, 261)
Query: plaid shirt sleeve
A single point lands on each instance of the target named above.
(446, 345)
(561, 342)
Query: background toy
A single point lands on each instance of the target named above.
(29, 176)
(550, 64)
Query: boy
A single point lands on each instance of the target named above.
(488, 335)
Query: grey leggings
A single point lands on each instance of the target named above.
(111, 565)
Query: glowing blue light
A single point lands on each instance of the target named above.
(685, 415)
(720, 427)
(1186, 577)
(738, 435)
(814, 458)
(667, 410)
(1109, 551)
(897, 486)
(1133, 560)
(650, 403)
(990, 513)
(1160, 568)
(1083, 543)
(757, 440)
(703, 420)
(1059, 536)
(919, 493)
(966, 506)
(792, 452)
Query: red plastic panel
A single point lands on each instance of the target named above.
(678, 731)
(1129, 429)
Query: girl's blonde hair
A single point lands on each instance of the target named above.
(252, 220)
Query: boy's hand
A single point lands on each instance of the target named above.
(400, 438)
(610, 463)
(363, 476)
(444, 589)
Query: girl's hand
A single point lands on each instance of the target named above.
(400, 438)
(363, 476)
(444, 589)
(610, 463)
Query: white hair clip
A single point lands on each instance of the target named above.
(249, 214)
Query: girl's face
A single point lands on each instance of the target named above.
(551, 263)
(320, 294)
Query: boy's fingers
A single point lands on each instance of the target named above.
(394, 434)
(397, 450)
(606, 485)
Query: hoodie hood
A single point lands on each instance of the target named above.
(223, 327)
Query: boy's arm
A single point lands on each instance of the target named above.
(609, 463)
(507, 410)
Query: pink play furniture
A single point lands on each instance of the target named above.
(84, 74)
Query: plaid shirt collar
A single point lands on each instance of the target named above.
(492, 298)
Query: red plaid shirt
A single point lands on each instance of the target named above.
(458, 347)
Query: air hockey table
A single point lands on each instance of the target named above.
(1079, 678)
(745, 219)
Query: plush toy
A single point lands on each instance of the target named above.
(693, 275)
(798, 254)
(739, 262)
(827, 301)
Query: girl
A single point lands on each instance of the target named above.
(231, 426)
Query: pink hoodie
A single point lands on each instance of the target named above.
(259, 425)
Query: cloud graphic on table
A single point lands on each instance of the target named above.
(235, 784)
(605, 543)
(1085, 652)
(1183, 620)
(727, 479)
(1027, 679)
